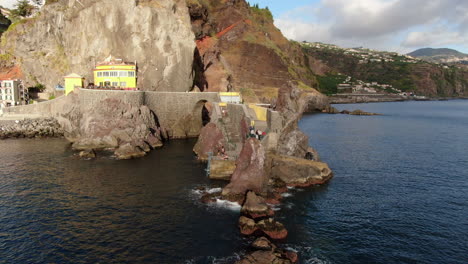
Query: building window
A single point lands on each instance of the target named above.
(123, 74)
(115, 84)
(105, 74)
(114, 74)
(131, 74)
(99, 74)
(123, 84)
(7, 84)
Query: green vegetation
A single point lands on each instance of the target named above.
(397, 73)
(328, 83)
(22, 9)
(264, 13)
(52, 97)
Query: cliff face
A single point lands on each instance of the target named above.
(71, 36)
(240, 49)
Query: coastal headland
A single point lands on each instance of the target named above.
(216, 70)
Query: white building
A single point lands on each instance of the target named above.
(12, 93)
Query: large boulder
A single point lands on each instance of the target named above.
(266, 257)
(250, 173)
(210, 140)
(129, 151)
(299, 172)
(247, 226)
(273, 229)
(114, 125)
(255, 206)
(221, 169)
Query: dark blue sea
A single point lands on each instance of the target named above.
(399, 195)
(400, 191)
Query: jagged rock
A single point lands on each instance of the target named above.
(360, 112)
(211, 138)
(247, 226)
(264, 257)
(249, 173)
(273, 229)
(153, 141)
(299, 172)
(210, 197)
(31, 128)
(330, 110)
(255, 206)
(88, 154)
(222, 169)
(128, 151)
(262, 243)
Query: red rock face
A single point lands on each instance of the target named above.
(210, 139)
(249, 173)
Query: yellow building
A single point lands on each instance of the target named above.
(115, 73)
(71, 81)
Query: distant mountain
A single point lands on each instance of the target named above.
(440, 55)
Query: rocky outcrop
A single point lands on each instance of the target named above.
(247, 226)
(221, 169)
(255, 206)
(249, 173)
(128, 130)
(31, 128)
(210, 140)
(299, 172)
(62, 39)
(87, 154)
(273, 229)
(266, 252)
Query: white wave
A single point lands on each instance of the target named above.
(214, 190)
(228, 205)
(286, 194)
(290, 187)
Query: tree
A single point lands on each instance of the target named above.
(37, 2)
(23, 8)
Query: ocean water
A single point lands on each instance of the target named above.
(400, 191)
(399, 195)
(57, 208)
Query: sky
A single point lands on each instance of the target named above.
(391, 25)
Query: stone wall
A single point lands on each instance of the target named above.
(89, 98)
(45, 109)
(171, 107)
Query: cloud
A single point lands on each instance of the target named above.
(379, 24)
(437, 37)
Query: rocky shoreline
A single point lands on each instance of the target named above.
(30, 128)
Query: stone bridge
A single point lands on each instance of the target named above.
(179, 112)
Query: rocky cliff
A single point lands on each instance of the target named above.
(71, 36)
(240, 49)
